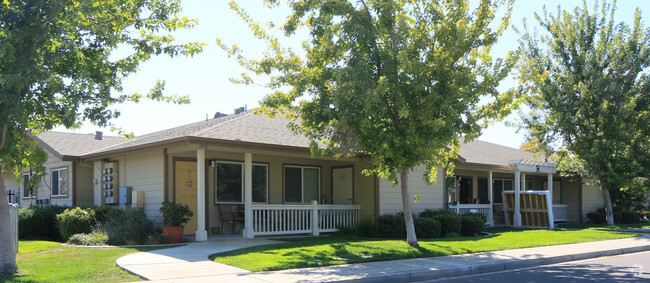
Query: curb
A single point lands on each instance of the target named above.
(422, 275)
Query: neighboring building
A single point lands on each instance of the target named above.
(284, 181)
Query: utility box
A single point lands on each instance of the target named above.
(137, 198)
(125, 195)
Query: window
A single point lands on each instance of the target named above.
(230, 182)
(501, 185)
(451, 190)
(301, 184)
(530, 185)
(26, 192)
(59, 182)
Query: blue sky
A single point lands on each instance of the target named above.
(204, 77)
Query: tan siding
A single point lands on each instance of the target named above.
(84, 185)
(44, 191)
(592, 199)
(365, 192)
(431, 196)
(144, 172)
(571, 197)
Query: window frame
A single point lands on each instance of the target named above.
(59, 182)
(25, 190)
(302, 182)
(243, 179)
(502, 187)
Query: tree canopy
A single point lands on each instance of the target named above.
(400, 81)
(588, 85)
(63, 61)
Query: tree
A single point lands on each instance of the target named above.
(60, 65)
(399, 81)
(588, 85)
(533, 145)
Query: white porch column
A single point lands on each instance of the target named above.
(523, 182)
(517, 214)
(248, 195)
(201, 234)
(491, 200)
(551, 218)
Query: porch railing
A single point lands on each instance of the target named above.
(283, 219)
(560, 213)
(471, 208)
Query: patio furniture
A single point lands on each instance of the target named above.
(232, 213)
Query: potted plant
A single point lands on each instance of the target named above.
(175, 215)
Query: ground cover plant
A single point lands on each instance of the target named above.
(322, 251)
(44, 261)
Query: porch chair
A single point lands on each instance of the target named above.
(231, 213)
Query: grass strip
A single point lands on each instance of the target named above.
(323, 251)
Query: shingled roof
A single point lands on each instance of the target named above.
(481, 152)
(74, 145)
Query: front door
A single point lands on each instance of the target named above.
(342, 185)
(185, 188)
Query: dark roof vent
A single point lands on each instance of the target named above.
(99, 135)
(219, 115)
(240, 110)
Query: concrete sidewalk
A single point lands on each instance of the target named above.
(190, 263)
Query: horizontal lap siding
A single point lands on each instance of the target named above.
(431, 196)
(592, 200)
(145, 172)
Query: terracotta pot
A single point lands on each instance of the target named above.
(173, 234)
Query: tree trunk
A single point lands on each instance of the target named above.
(411, 239)
(608, 206)
(7, 250)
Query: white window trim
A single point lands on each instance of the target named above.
(302, 182)
(216, 201)
(22, 183)
(67, 181)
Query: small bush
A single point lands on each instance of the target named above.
(345, 231)
(90, 239)
(391, 225)
(434, 213)
(127, 228)
(597, 217)
(452, 235)
(39, 222)
(366, 228)
(472, 223)
(102, 213)
(75, 221)
(155, 239)
(630, 217)
(427, 227)
(449, 223)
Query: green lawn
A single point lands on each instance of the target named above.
(321, 251)
(605, 227)
(41, 261)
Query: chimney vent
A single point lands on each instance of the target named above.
(99, 135)
(240, 110)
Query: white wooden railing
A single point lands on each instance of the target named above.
(282, 219)
(560, 213)
(471, 208)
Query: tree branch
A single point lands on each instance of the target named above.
(3, 136)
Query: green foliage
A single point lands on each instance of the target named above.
(366, 228)
(175, 214)
(391, 225)
(630, 217)
(472, 223)
(426, 227)
(39, 222)
(130, 227)
(103, 213)
(434, 213)
(75, 221)
(345, 231)
(587, 83)
(452, 235)
(89, 239)
(155, 239)
(449, 223)
(633, 197)
(597, 217)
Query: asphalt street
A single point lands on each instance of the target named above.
(633, 267)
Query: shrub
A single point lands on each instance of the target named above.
(366, 228)
(127, 228)
(472, 223)
(90, 239)
(345, 231)
(75, 221)
(175, 214)
(630, 217)
(39, 222)
(102, 213)
(427, 227)
(452, 235)
(434, 213)
(155, 239)
(391, 225)
(449, 223)
(597, 217)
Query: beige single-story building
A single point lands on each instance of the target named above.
(249, 174)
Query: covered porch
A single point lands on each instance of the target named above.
(255, 190)
(476, 189)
